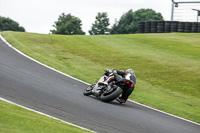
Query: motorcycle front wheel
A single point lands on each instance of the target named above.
(88, 90)
(107, 97)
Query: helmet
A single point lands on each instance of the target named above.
(131, 71)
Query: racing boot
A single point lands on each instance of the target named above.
(121, 100)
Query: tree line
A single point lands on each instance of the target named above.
(9, 24)
(127, 24)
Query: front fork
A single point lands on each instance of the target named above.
(103, 83)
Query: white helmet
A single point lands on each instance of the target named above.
(131, 71)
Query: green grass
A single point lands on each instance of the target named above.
(14, 119)
(167, 66)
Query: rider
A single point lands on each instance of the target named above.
(128, 74)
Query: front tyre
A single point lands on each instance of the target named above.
(88, 90)
(107, 97)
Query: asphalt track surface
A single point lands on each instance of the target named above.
(30, 84)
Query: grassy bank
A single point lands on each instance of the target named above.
(14, 119)
(166, 65)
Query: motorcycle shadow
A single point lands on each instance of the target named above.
(128, 104)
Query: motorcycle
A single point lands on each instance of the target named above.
(107, 88)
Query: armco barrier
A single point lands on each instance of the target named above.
(168, 26)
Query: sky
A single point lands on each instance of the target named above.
(38, 16)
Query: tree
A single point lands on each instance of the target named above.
(124, 25)
(7, 24)
(128, 23)
(100, 27)
(68, 25)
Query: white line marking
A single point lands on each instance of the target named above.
(44, 114)
(164, 112)
(89, 84)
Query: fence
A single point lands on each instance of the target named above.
(168, 26)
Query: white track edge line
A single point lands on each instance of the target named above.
(5, 100)
(164, 112)
(89, 84)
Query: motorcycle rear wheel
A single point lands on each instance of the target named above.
(107, 97)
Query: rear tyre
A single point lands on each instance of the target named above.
(88, 91)
(107, 97)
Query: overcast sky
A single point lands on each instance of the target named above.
(38, 16)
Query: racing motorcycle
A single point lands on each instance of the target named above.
(107, 88)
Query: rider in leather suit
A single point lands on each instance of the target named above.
(128, 74)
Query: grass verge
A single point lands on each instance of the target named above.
(14, 119)
(166, 65)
